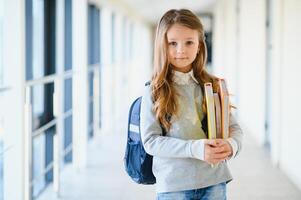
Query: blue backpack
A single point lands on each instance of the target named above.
(138, 163)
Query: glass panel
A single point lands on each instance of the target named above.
(208, 41)
(94, 35)
(49, 37)
(68, 82)
(68, 34)
(68, 138)
(37, 106)
(68, 120)
(90, 34)
(38, 158)
(42, 105)
(49, 153)
(91, 103)
(90, 122)
(93, 52)
(42, 157)
(90, 78)
(68, 95)
(38, 38)
(97, 36)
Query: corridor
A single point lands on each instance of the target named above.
(105, 178)
(69, 70)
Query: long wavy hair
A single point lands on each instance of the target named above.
(163, 91)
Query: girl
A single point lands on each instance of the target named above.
(171, 115)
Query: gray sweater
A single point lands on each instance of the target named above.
(178, 157)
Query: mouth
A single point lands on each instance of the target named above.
(181, 58)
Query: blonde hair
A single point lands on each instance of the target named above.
(163, 92)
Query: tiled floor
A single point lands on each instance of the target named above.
(105, 178)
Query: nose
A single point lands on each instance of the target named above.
(180, 48)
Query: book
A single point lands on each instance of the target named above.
(218, 115)
(218, 110)
(225, 107)
(210, 110)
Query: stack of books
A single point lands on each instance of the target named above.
(218, 110)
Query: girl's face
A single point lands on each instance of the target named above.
(183, 46)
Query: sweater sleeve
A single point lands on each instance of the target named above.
(163, 146)
(236, 136)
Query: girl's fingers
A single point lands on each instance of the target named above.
(215, 142)
(217, 157)
(211, 142)
(219, 149)
(221, 155)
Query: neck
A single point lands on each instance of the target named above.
(182, 69)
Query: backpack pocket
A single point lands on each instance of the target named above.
(132, 159)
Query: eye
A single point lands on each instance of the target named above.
(172, 44)
(189, 42)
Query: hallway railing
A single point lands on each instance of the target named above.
(58, 121)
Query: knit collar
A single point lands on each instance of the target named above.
(182, 78)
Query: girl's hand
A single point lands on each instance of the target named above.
(217, 150)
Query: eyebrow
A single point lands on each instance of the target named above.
(190, 38)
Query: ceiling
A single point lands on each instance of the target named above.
(152, 10)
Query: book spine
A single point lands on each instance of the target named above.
(210, 110)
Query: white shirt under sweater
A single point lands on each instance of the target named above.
(178, 157)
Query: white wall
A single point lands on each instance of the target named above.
(289, 159)
(106, 70)
(225, 51)
(251, 66)
(141, 65)
(123, 80)
(240, 55)
(13, 99)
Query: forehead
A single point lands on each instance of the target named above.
(178, 31)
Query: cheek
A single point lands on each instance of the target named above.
(171, 53)
(193, 52)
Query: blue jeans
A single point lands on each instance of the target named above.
(214, 192)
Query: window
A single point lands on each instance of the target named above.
(40, 61)
(93, 58)
(94, 35)
(68, 84)
(68, 35)
(1, 83)
(207, 21)
(1, 42)
(35, 39)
